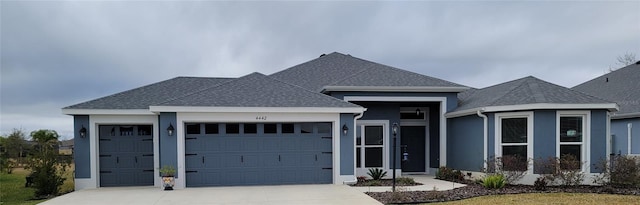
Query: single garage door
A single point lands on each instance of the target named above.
(126, 155)
(228, 154)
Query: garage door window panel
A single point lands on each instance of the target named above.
(232, 128)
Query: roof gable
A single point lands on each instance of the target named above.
(621, 86)
(156, 93)
(528, 90)
(257, 90)
(338, 69)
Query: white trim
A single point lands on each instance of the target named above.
(107, 112)
(534, 106)
(355, 133)
(436, 89)
(625, 116)
(485, 138)
(186, 109)
(585, 150)
(498, 134)
(362, 171)
(443, 110)
(189, 117)
(96, 120)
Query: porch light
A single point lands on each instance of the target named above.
(417, 111)
(345, 129)
(170, 129)
(395, 128)
(83, 132)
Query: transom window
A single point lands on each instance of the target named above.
(514, 136)
(572, 132)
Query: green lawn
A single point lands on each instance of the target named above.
(549, 198)
(12, 190)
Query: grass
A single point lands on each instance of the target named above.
(549, 198)
(13, 192)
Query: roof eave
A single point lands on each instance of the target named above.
(71, 111)
(537, 106)
(437, 89)
(616, 116)
(158, 109)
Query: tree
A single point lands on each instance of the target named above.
(14, 149)
(46, 167)
(625, 60)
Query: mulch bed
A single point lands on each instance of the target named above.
(475, 190)
(385, 182)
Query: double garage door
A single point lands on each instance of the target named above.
(126, 155)
(228, 154)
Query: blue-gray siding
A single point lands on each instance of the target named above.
(619, 131)
(347, 149)
(168, 144)
(465, 144)
(598, 138)
(544, 135)
(81, 148)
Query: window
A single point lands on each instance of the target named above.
(233, 128)
(572, 137)
(211, 128)
(193, 128)
(324, 127)
(250, 128)
(270, 128)
(306, 128)
(370, 146)
(514, 138)
(287, 128)
(144, 130)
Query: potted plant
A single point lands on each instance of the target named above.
(168, 177)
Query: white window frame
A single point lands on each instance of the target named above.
(498, 133)
(585, 155)
(361, 124)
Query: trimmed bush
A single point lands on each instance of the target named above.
(448, 174)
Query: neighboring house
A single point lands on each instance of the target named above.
(65, 147)
(324, 121)
(621, 86)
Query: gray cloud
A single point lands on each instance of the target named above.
(54, 54)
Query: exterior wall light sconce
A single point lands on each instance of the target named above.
(345, 129)
(83, 132)
(417, 111)
(170, 129)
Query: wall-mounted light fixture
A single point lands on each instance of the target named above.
(170, 129)
(417, 111)
(83, 132)
(345, 129)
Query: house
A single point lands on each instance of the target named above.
(622, 87)
(324, 121)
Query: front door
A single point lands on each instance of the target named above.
(413, 143)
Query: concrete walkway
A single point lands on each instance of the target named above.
(289, 194)
(429, 183)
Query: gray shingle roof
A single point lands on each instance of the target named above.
(621, 86)
(258, 90)
(528, 90)
(338, 69)
(143, 97)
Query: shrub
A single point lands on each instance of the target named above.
(540, 184)
(511, 167)
(46, 167)
(405, 181)
(377, 173)
(361, 179)
(623, 171)
(495, 181)
(448, 174)
(565, 171)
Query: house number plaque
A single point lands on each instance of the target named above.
(261, 117)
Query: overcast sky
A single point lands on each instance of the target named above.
(56, 54)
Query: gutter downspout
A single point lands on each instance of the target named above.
(629, 126)
(486, 135)
(356, 117)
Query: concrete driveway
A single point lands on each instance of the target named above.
(288, 194)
